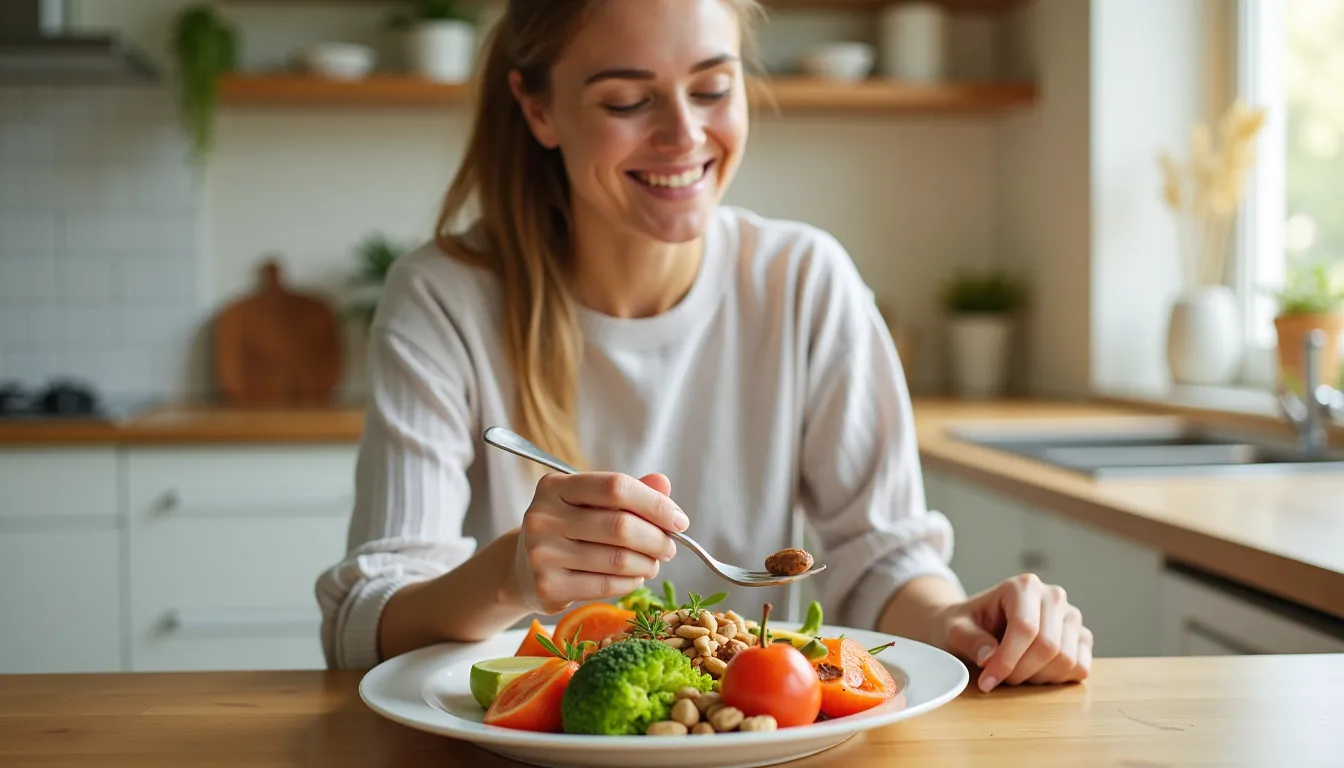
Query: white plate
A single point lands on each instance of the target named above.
(428, 689)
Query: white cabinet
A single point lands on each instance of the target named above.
(168, 558)
(225, 546)
(61, 538)
(1113, 581)
(1202, 616)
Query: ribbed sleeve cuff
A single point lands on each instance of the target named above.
(881, 581)
(357, 635)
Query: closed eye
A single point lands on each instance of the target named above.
(625, 108)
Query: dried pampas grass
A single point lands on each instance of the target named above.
(1206, 191)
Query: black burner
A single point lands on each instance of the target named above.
(60, 397)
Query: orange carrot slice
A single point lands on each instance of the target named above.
(530, 646)
(852, 680)
(593, 621)
(531, 701)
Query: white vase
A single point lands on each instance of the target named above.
(1204, 336)
(980, 346)
(442, 50)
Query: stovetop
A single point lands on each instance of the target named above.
(58, 398)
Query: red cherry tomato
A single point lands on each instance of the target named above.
(776, 680)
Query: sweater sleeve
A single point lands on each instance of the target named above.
(411, 490)
(861, 481)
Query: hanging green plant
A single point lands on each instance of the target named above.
(206, 46)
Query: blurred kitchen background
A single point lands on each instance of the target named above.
(991, 165)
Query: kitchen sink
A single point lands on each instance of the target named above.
(1152, 447)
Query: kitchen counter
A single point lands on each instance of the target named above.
(1252, 710)
(1283, 535)
(188, 424)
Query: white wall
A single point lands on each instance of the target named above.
(910, 197)
(1139, 106)
(1044, 192)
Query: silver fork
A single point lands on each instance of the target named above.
(513, 443)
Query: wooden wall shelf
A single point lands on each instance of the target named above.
(789, 93)
(975, 6)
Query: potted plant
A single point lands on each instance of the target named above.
(982, 308)
(440, 39)
(1312, 298)
(205, 46)
(376, 255)
(1203, 332)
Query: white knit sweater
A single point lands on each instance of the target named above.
(769, 395)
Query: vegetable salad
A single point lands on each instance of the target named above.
(651, 664)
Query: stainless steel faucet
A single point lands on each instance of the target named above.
(1322, 403)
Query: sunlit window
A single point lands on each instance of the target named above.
(1293, 64)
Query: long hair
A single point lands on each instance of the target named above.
(524, 214)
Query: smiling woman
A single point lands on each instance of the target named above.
(602, 302)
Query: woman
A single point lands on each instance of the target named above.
(709, 368)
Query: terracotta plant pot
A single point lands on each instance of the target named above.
(1292, 331)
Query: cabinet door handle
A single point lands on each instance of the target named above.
(172, 503)
(1032, 560)
(245, 621)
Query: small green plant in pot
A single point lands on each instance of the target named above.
(982, 307)
(376, 255)
(206, 47)
(1312, 298)
(440, 39)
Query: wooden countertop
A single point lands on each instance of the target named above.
(1249, 710)
(1281, 534)
(192, 424)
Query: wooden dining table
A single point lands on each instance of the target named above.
(1273, 711)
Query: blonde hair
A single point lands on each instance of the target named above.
(524, 215)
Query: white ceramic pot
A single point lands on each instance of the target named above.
(980, 346)
(443, 51)
(1204, 336)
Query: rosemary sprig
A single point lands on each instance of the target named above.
(698, 603)
(880, 648)
(649, 624)
(575, 650)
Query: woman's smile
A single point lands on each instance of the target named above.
(675, 182)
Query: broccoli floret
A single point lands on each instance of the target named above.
(627, 685)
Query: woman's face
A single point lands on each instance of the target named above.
(649, 110)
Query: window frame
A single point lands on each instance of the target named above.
(1258, 52)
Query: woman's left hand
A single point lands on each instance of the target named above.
(1019, 631)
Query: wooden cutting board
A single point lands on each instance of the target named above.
(277, 347)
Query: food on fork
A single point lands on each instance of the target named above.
(788, 562)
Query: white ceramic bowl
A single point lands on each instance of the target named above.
(839, 61)
(342, 61)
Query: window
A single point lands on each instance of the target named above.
(1291, 62)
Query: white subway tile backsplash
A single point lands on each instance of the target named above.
(31, 231)
(99, 249)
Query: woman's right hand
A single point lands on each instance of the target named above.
(593, 536)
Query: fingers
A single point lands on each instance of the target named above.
(658, 482)
(1021, 601)
(613, 490)
(594, 558)
(1049, 637)
(1060, 669)
(578, 586)
(618, 529)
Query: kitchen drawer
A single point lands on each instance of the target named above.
(225, 547)
(1204, 615)
(60, 601)
(57, 485)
